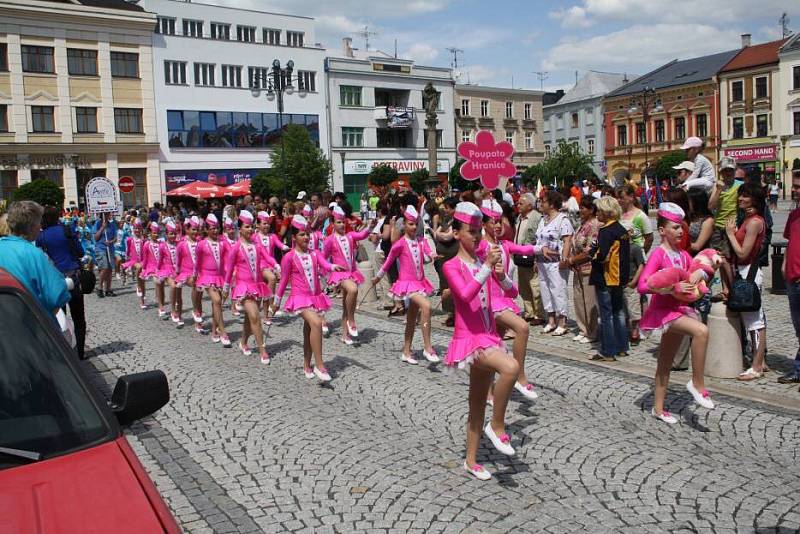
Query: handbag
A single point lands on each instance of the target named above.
(744, 295)
(520, 260)
(86, 279)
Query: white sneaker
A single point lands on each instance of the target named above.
(163, 315)
(352, 330)
(526, 390)
(664, 416)
(409, 359)
(325, 330)
(547, 329)
(226, 341)
(700, 397)
(139, 293)
(245, 349)
(322, 374)
(278, 313)
(179, 323)
(560, 331)
(501, 443)
(431, 356)
(578, 337)
(478, 471)
(197, 318)
(215, 338)
(308, 372)
(200, 329)
(347, 341)
(265, 357)
(585, 340)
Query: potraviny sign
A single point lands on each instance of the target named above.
(487, 160)
(402, 166)
(102, 196)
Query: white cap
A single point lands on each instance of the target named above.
(685, 165)
(332, 205)
(508, 199)
(692, 142)
(727, 162)
(301, 195)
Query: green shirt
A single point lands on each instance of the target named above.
(638, 223)
(728, 204)
(373, 203)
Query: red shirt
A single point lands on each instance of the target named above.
(792, 233)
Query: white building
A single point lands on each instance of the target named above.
(377, 115)
(206, 58)
(788, 96)
(578, 116)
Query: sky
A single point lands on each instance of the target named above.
(505, 42)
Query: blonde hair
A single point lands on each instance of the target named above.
(4, 229)
(609, 207)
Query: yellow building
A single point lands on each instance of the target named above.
(76, 96)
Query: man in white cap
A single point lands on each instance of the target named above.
(301, 195)
(685, 169)
(703, 174)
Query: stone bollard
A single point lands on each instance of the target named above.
(724, 354)
(365, 268)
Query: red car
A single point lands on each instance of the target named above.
(64, 464)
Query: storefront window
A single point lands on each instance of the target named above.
(54, 175)
(139, 195)
(82, 176)
(8, 184)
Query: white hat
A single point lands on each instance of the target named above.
(508, 199)
(332, 205)
(300, 223)
(411, 213)
(727, 162)
(685, 165)
(692, 142)
(338, 213)
(491, 208)
(301, 195)
(468, 213)
(671, 211)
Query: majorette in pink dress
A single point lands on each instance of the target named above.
(151, 255)
(244, 259)
(410, 255)
(133, 247)
(340, 249)
(303, 270)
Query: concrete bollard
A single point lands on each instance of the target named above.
(724, 354)
(365, 268)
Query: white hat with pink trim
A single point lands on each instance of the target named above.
(468, 213)
(491, 208)
(411, 213)
(211, 220)
(154, 228)
(307, 211)
(300, 223)
(338, 213)
(671, 212)
(245, 217)
(194, 221)
(263, 216)
(228, 224)
(171, 227)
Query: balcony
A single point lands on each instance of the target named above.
(529, 124)
(486, 122)
(395, 116)
(510, 122)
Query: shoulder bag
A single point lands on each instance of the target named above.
(744, 295)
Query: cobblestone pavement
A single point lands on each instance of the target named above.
(243, 447)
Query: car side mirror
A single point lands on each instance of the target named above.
(139, 395)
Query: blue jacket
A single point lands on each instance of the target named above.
(33, 269)
(55, 243)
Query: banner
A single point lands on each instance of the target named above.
(487, 160)
(174, 179)
(752, 153)
(102, 196)
(399, 117)
(402, 166)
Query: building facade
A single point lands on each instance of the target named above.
(212, 125)
(653, 115)
(577, 117)
(513, 115)
(377, 115)
(749, 115)
(76, 96)
(788, 106)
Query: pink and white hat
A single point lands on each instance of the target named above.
(411, 213)
(338, 213)
(468, 213)
(491, 208)
(245, 217)
(263, 216)
(228, 224)
(137, 223)
(307, 211)
(194, 221)
(211, 220)
(154, 228)
(171, 227)
(300, 223)
(671, 212)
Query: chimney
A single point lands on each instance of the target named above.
(347, 46)
(745, 40)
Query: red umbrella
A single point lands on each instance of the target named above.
(198, 190)
(238, 189)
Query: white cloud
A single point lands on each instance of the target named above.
(484, 75)
(421, 53)
(573, 17)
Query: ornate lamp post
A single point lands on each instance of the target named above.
(275, 83)
(645, 101)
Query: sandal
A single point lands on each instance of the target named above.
(750, 374)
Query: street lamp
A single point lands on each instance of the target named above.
(275, 83)
(645, 100)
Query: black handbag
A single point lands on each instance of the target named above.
(744, 295)
(524, 261)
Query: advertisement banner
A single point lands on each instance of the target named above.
(402, 166)
(399, 117)
(752, 153)
(222, 177)
(102, 196)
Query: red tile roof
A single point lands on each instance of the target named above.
(755, 56)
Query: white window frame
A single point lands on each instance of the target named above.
(485, 108)
(352, 136)
(466, 136)
(215, 31)
(307, 79)
(231, 76)
(56, 124)
(295, 39)
(732, 82)
(360, 96)
(547, 151)
(528, 140)
(755, 79)
(192, 28)
(174, 72)
(465, 107)
(165, 23)
(245, 33)
(509, 110)
(510, 135)
(590, 146)
(528, 111)
(204, 75)
(269, 34)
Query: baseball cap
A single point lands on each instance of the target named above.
(692, 142)
(685, 165)
(726, 162)
(301, 195)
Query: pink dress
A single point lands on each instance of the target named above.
(341, 250)
(663, 309)
(168, 261)
(151, 257)
(316, 242)
(475, 329)
(267, 244)
(210, 263)
(302, 269)
(244, 259)
(501, 300)
(410, 254)
(187, 257)
(133, 251)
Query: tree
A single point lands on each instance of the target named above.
(42, 191)
(662, 169)
(457, 182)
(565, 164)
(299, 165)
(418, 180)
(382, 175)
(266, 185)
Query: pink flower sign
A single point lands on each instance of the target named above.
(487, 160)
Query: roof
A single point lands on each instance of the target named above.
(792, 44)
(592, 85)
(485, 89)
(678, 72)
(755, 56)
(103, 4)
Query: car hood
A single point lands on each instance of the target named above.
(94, 490)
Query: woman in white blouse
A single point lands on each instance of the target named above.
(554, 232)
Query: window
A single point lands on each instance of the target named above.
(192, 28)
(81, 62)
(37, 59)
(220, 31)
(54, 175)
(388, 138)
(796, 120)
(8, 184)
(738, 127)
(204, 74)
(124, 65)
(352, 137)
(659, 131)
(466, 136)
(762, 125)
(761, 87)
(640, 136)
(509, 110)
(439, 139)
(737, 91)
(589, 114)
(43, 119)
(560, 121)
(528, 141)
(622, 135)
(175, 72)
(680, 128)
(128, 120)
(294, 39)
(86, 120)
(575, 120)
(465, 107)
(796, 77)
(547, 151)
(3, 57)
(528, 111)
(246, 34)
(231, 76)
(165, 25)
(484, 108)
(510, 136)
(257, 76)
(702, 125)
(590, 146)
(349, 95)
(307, 81)
(3, 118)
(272, 37)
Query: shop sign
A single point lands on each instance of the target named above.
(752, 153)
(222, 177)
(43, 161)
(402, 166)
(102, 196)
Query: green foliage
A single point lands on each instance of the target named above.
(662, 169)
(266, 185)
(299, 166)
(44, 192)
(382, 175)
(565, 164)
(457, 182)
(418, 180)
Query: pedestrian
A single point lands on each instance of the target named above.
(446, 249)
(187, 267)
(248, 290)
(168, 272)
(269, 269)
(633, 299)
(554, 232)
(584, 299)
(151, 259)
(134, 248)
(774, 192)
(412, 286)
(673, 318)
(123, 233)
(791, 273)
(527, 271)
(210, 275)
(633, 218)
(610, 263)
(104, 233)
(302, 267)
(476, 346)
(703, 174)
